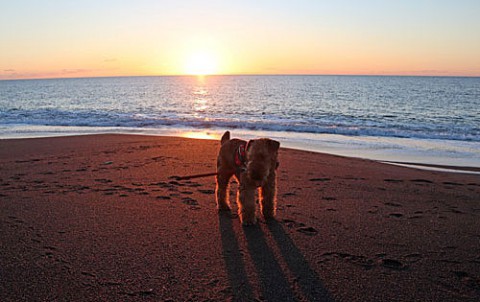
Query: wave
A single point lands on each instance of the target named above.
(343, 125)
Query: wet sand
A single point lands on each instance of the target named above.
(102, 218)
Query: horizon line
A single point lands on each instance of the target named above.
(244, 74)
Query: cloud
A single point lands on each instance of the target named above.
(9, 74)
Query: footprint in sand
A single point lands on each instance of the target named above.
(176, 183)
(189, 201)
(393, 264)
(425, 181)
(308, 231)
(103, 180)
(358, 260)
(396, 215)
(158, 158)
(143, 293)
(192, 184)
(27, 161)
(452, 183)
(329, 198)
(414, 257)
(354, 178)
(393, 180)
(160, 184)
(319, 179)
(208, 192)
(88, 274)
(453, 210)
(290, 223)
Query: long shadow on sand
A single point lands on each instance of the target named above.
(242, 290)
(273, 282)
(307, 278)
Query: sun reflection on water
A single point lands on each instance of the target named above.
(200, 97)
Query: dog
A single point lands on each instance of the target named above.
(254, 165)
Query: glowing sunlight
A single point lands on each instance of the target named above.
(200, 135)
(201, 63)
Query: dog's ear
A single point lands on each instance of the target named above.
(273, 145)
(225, 137)
(249, 144)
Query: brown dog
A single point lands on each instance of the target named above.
(254, 166)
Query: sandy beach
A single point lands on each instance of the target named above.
(102, 218)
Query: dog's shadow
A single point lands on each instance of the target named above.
(271, 277)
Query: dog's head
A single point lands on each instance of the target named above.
(262, 159)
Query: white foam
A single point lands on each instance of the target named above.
(421, 151)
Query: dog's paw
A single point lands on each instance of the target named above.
(268, 214)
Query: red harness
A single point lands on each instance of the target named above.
(240, 156)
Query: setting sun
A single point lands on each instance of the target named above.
(201, 63)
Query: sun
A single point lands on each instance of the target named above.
(201, 63)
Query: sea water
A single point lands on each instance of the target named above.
(415, 119)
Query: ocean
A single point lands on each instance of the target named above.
(434, 120)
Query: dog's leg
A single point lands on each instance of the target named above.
(267, 198)
(221, 192)
(246, 205)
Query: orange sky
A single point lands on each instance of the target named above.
(44, 39)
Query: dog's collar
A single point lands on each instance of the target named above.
(240, 156)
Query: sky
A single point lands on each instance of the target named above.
(64, 38)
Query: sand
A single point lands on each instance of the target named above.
(101, 218)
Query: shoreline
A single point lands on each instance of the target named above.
(100, 217)
(439, 168)
(330, 144)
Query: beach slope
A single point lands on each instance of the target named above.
(103, 218)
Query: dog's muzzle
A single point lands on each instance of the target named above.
(257, 178)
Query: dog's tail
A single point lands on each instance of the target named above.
(225, 137)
